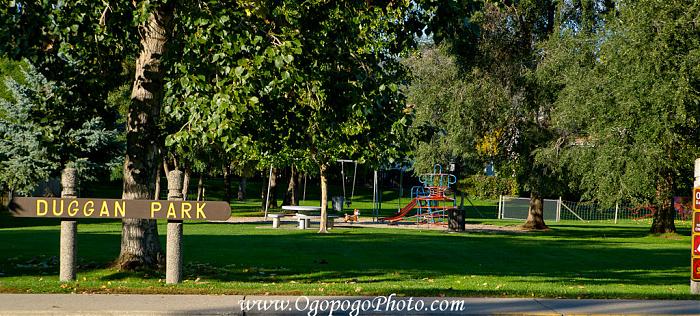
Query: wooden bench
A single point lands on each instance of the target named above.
(275, 219)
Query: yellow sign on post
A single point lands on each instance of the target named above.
(112, 208)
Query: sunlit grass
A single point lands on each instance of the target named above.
(571, 260)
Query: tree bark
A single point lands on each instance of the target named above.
(324, 200)
(241, 188)
(273, 191)
(186, 182)
(157, 190)
(140, 246)
(535, 216)
(664, 216)
(290, 196)
(200, 187)
(227, 182)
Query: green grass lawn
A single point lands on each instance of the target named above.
(571, 260)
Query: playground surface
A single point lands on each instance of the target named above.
(115, 304)
(288, 222)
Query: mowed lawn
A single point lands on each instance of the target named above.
(572, 260)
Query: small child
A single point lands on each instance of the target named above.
(354, 217)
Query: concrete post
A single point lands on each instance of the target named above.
(173, 252)
(695, 285)
(69, 229)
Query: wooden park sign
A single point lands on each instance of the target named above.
(113, 208)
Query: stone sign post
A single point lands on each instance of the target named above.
(68, 208)
(69, 229)
(173, 253)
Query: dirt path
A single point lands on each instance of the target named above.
(477, 228)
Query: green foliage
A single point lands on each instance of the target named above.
(25, 159)
(288, 82)
(452, 112)
(81, 44)
(483, 103)
(488, 187)
(11, 69)
(628, 108)
(41, 133)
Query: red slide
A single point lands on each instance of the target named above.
(403, 212)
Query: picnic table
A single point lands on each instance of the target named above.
(305, 220)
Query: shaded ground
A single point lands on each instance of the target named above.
(571, 260)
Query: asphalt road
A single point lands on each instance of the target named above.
(101, 304)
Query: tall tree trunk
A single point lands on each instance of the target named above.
(664, 216)
(273, 191)
(227, 182)
(140, 246)
(241, 188)
(157, 190)
(186, 182)
(200, 187)
(290, 196)
(324, 200)
(535, 214)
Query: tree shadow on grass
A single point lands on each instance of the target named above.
(239, 253)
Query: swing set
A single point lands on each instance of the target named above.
(354, 177)
(342, 162)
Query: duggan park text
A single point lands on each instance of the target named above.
(114, 208)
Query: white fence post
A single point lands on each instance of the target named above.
(559, 209)
(500, 207)
(617, 209)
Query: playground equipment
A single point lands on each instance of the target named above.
(342, 176)
(429, 199)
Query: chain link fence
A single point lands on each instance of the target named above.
(516, 208)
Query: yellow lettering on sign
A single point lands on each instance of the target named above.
(104, 210)
(42, 211)
(185, 209)
(119, 209)
(73, 208)
(87, 211)
(155, 207)
(171, 211)
(200, 210)
(55, 209)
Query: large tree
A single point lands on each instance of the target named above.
(85, 46)
(497, 110)
(292, 82)
(140, 245)
(351, 99)
(40, 133)
(627, 103)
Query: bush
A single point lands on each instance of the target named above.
(488, 187)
